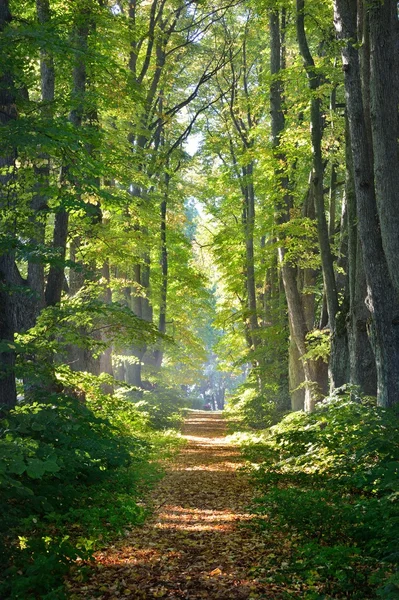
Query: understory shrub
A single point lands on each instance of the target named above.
(249, 408)
(330, 481)
(161, 407)
(72, 475)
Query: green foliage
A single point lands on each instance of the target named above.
(72, 475)
(257, 410)
(79, 318)
(318, 345)
(330, 480)
(161, 407)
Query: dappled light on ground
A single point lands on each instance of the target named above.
(194, 519)
(198, 544)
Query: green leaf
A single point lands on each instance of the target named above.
(18, 466)
(36, 468)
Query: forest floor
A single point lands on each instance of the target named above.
(199, 542)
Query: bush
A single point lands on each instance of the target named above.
(251, 409)
(330, 480)
(161, 407)
(71, 476)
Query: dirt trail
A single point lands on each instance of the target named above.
(196, 544)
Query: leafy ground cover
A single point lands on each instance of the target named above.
(73, 475)
(329, 481)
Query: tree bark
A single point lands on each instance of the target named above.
(361, 358)
(39, 206)
(382, 300)
(296, 310)
(8, 114)
(158, 355)
(248, 224)
(384, 79)
(55, 280)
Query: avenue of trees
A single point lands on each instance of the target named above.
(96, 263)
(294, 107)
(198, 201)
(298, 162)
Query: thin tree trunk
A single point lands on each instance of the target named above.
(36, 279)
(8, 390)
(55, 280)
(164, 271)
(318, 169)
(296, 313)
(296, 376)
(249, 223)
(332, 209)
(106, 356)
(134, 299)
(339, 347)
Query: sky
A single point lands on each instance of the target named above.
(192, 143)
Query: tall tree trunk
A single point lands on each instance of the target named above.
(164, 271)
(384, 100)
(296, 375)
(8, 391)
(298, 367)
(56, 276)
(249, 224)
(106, 356)
(8, 113)
(39, 206)
(155, 49)
(318, 169)
(382, 298)
(134, 300)
(361, 357)
(87, 117)
(339, 347)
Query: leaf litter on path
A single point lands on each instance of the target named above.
(196, 544)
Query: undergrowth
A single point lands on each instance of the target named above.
(249, 408)
(72, 476)
(328, 489)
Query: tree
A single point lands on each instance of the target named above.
(8, 276)
(300, 205)
(382, 297)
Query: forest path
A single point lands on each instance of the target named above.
(196, 544)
